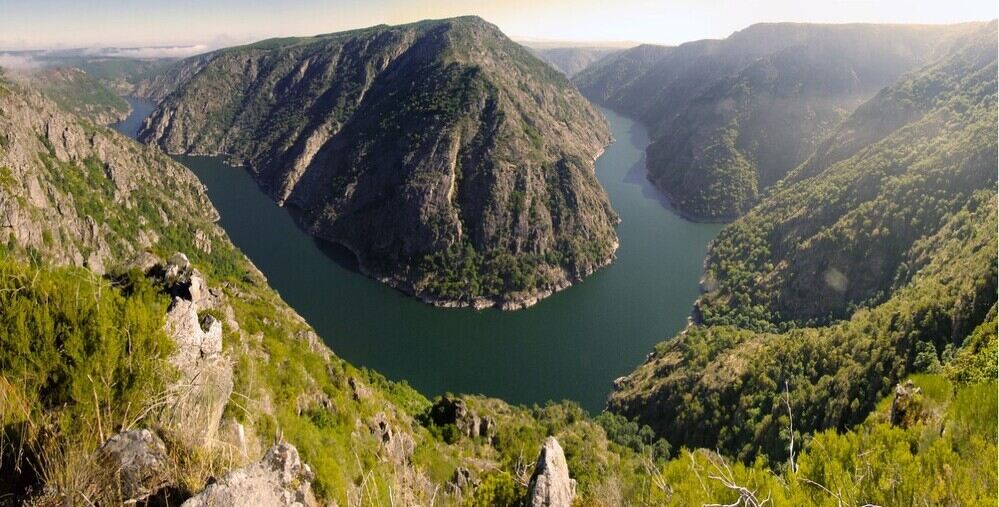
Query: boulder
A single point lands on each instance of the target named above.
(279, 479)
(183, 281)
(550, 485)
(139, 459)
(448, 410)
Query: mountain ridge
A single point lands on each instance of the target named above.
(491, 167)
(730, 117)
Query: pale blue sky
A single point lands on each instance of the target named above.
(79, 23)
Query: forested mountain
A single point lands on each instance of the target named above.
(78, 92)
(874, 260)
(572, 60)
(129, 371)
(731, 117)
(451, 161)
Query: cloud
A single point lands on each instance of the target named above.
(10, 61)
(151, 51)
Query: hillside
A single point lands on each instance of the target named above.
(131, 373)
(731, 117)
(453, 163)
(572, 60)
(840, 283)
(78, 92)
(110, 339)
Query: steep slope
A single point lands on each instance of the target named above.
(85, 357)
(840, 283)
(451, 161)
(78, 92)
(732, 117)
(572, 60)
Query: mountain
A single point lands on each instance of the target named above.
(572, 60)
(729, 118)
(144, 358)
(874, 260)
(78, 92)
(451, 161)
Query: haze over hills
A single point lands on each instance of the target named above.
(450, 160)
(572, 57)
(874, 261)
(731, 117)
(572, 60)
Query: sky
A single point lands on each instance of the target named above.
(48, 24)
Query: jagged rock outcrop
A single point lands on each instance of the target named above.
(139, 460)
(279, 479)
(550, 485)
(198, 398)
(454, 164)
(396, 446)
(450, 410)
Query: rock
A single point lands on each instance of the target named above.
(396, 446)
(448, 410)
(139, 458)
(183, 281)
(906, 406)
(550, 485)
(199, 397)
(145, 262)
(279, 479)
(461, 479)
(358, 389)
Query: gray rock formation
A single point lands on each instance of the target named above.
(139, 460)
(199, 396)
(279, 479)
(397, 447)
(448, 410)
(85, 196)
(550, 485)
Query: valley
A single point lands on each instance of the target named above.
(424, 264)
(570, 346)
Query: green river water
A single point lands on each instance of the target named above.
(569, 346)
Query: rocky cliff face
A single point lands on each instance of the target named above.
(730, 118)
(71, 192)
(450, 160)
(78, 92)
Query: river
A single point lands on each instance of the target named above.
(569, 346)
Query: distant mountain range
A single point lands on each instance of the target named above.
(731, 117)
